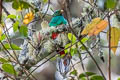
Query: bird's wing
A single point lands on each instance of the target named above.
(64, 21)
(54, 21)
(57, 20)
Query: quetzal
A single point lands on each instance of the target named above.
(57, 19)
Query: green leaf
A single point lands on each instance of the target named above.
(18, 17)
(11, 16)
(2, 60)
(15, 5)
(118, 79)
(83, 41)
(8, 68)
(111, 4)
(2, 37)
(67, 46)
(45, 1)
(54, 58)
(15, 26)
(96, 77)
(87, 73)
(73, 51)
(20, 5)
(24, 5)
(12, 47)
(74, 72)
(23, 31)
(82, 47)
(71, 37)
(36, 9)
(83, 78)
(61, 56)
(71, 48)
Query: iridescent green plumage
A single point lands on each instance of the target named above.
(57, 19)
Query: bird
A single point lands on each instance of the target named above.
(57, 19)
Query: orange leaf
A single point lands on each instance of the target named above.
(115, 36)
(90, 26)
(95, 27)
(99, 27)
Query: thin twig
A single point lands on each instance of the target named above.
(83, 66)
(70, 26)
(47, 9)
(74, 70)
(109, 56)
(53, 56)
(0, 11)
(16, 58)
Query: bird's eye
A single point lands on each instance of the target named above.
(61, 11)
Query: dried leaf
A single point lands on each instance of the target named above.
(0, 32)
(115, 36)
(98, 28)
(90, 26)
(95, 27)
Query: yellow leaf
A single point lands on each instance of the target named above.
(0, 32)
(90, 26)
(115, 36)
(95, 27)
(28, 18)
(98, 28)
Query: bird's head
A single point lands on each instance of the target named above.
(58, 13)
